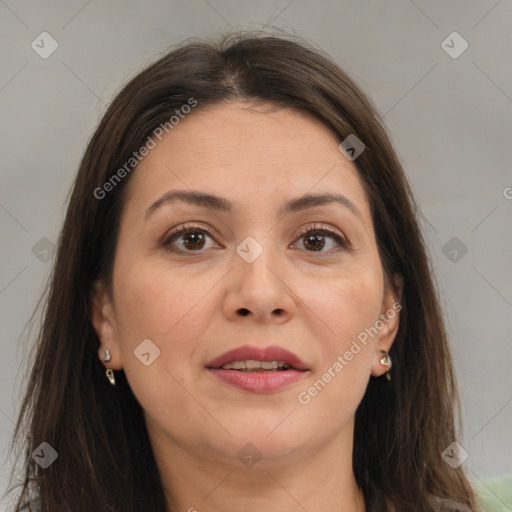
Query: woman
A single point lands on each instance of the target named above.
(242, 313)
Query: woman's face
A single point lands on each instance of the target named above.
(254, 270)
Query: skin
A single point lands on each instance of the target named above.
(313, 303)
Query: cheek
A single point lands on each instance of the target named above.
(166, 306)
(156, 302)
(338, 383)
(344, 309)
(343, 306)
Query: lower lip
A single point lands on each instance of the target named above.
(260, 382)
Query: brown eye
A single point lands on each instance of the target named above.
(193, 240)
(315, 240)
(186, 239)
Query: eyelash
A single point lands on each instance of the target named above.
(317, 229)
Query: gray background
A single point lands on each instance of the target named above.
(450, 120)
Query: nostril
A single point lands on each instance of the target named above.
(243, 311)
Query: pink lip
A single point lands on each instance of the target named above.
(258, 382)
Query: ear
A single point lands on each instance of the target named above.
(105, 325)
(389, 322)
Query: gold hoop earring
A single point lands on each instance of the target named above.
(110, 375)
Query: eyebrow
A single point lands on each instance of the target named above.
(210, 201)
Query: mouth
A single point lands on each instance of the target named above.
(252, 366)
(258, 370)
(256, 359)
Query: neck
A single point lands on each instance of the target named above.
(319, 479)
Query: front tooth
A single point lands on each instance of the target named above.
(250, 364)
(269, 365)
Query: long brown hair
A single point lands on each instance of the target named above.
(105, 462)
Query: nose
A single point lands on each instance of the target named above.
(259, 289)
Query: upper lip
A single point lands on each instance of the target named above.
(247, 352)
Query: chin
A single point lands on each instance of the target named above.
(272, 437)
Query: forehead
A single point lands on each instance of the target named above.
(263, 132)
(242, 151)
